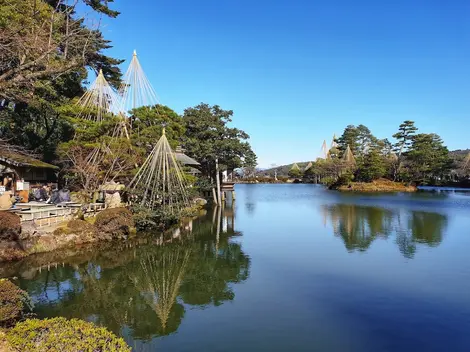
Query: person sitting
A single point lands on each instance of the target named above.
(41, 194)
(6, 200)
(64, 195)
(55, 198)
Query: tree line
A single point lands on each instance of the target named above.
(46, 52)
(358, 155)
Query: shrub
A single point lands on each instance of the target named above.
(13, 302)
(147, 219)
(62, 335)
(344, 180)
(115, 221)
(10, 226)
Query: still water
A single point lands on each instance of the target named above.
(287, 268)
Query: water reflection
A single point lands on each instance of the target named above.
(359, 226)
(146, 289)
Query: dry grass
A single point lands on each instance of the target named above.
(381, 185)
(4, 346)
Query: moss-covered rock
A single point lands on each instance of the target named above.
(62, 335)
(81, 231)
(117, 222)
(13, 302)
(10, 226)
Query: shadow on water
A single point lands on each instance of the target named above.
(144, 290)
(359, 226)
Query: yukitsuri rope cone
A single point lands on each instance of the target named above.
(349, 156)
(136, 89)
(100, 99)
(160, 182)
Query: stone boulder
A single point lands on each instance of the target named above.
(80, 230)
(10, 226)
(116, 222)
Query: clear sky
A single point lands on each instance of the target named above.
(296, 71)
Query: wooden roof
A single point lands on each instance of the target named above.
(185, 160)
(22, 160)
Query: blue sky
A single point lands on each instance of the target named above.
(296, 71)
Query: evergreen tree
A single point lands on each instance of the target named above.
(404, 137)
(349, 137)
(373, 166)
(428, 158)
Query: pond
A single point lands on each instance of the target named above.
(287, 268)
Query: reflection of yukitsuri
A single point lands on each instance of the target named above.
(164, 273)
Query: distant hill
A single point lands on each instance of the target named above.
(459, 154)
(282, 170)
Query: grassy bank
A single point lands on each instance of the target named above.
(381, 185)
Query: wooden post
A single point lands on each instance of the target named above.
(217, 178)
(233, 196)
(214, 195)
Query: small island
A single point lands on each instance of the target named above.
(358, 161)
(381, 185)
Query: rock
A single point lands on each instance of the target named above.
(10, 226)
(113, 200)
(200, 201)
(78, 231)
(116, 222)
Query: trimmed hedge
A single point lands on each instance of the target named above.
(62, 335)
(116, 222)
(13, 302)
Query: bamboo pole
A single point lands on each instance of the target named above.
(217, 178)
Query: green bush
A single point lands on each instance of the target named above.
(14, 302)
(344, 180)
(62, 335)
(147, 219)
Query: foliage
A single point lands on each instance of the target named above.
(404, 136)
(295, 172)
(45, 53)
(42, 41)
(148, 123)
(428, 158)
(373, 167)
(147, 219)
(115, 221)
(208, 137)
(343, 180)
(420, 158)
(61, 335)
(10, 226)
(204, 184)
(349, 137)
(14, 303)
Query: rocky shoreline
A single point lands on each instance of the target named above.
(21, 240)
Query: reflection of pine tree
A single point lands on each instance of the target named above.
(358, 226)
